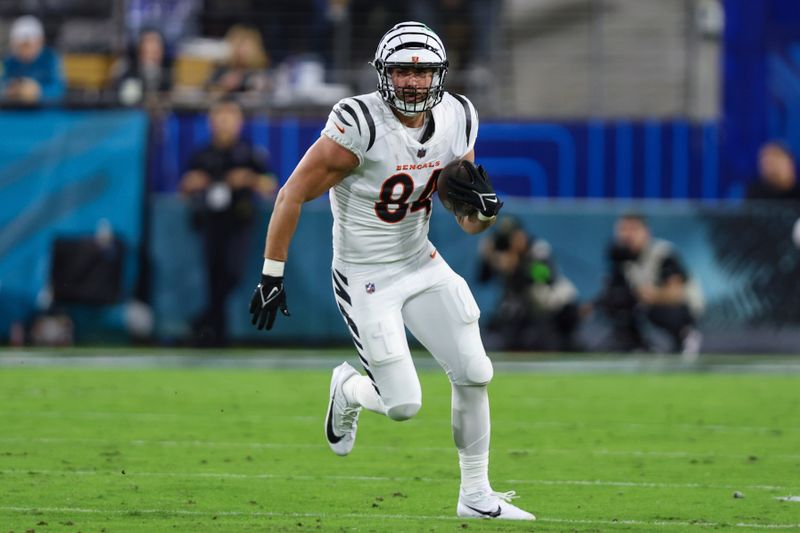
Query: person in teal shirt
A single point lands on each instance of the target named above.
(32, 73)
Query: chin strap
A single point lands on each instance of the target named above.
(408, 113)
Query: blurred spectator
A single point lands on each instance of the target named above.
(538, 309)
(245, 70)
(293, 27)
(146, 74)
(222, 183)
(472, 31)
(451, 18)
(777, 178)
(647, 283)
(469, 26)
(368, 19)
(174, 20)
(32, 72)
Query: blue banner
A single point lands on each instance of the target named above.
(61, 174)
(761, 81)
(594, 159)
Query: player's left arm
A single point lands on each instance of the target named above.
(472, 224)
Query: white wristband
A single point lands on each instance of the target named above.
(272, 268)
(484, 218)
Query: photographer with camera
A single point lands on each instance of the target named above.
(648, 284)
(538, 309)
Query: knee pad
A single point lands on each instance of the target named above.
(479, 371)
(403, 411)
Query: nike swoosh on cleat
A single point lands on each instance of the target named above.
(492, 514)
(333, 438)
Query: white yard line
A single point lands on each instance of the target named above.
(443, 449)
(404, 479)
(231, 417)
(264, 514)
(312, 360)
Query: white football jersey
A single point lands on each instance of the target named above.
(382, 210)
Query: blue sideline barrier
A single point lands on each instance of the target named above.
(732, 280)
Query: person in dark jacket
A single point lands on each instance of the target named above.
(222, 182)
(146, 74)
(777, 178)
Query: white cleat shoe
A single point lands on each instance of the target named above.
(341, 420)
(491, 505)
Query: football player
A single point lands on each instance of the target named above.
(380, 155)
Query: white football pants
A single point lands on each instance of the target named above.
(425, 295)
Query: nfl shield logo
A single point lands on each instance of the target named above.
(370, 288)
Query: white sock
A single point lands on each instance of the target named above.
(474, 473)
(359, 391)
(471, 430)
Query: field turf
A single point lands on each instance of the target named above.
(242, 450)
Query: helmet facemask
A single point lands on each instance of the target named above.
(411, 100)
(411, 45)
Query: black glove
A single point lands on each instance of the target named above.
(478, 192)
(267, 299)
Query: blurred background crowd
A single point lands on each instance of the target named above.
(268, 54)
(646, 149)
(301, 53)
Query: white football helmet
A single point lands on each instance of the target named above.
(411, 45)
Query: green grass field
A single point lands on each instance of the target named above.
(243, 450)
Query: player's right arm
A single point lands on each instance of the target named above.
(324, 165)
(334, 156)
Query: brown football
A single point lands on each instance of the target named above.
(457, 170)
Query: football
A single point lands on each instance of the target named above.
(457, 170)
